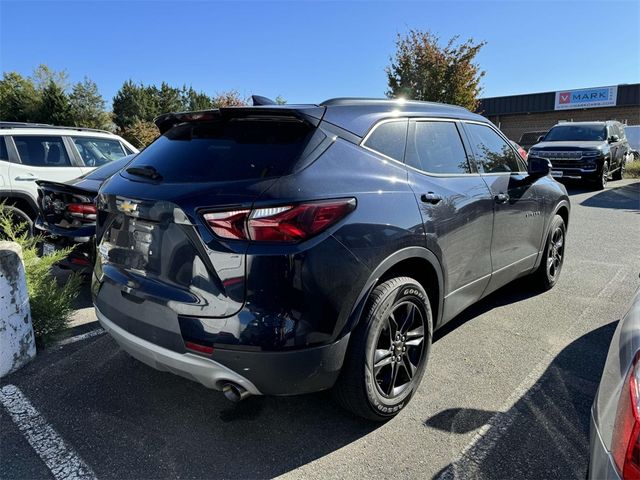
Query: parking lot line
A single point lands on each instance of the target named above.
(61, 460)
(83, 336)
(488, 436)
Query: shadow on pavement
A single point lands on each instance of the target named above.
(459, 420)
(127, 420)
(513, 292)
(546, 433)
(626, 197)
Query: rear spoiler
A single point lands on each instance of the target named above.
(311, 114)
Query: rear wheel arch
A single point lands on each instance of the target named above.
(22, 202)
(418, 263)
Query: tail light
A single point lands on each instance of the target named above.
(625, 442)
(83, 211)
(285, 224)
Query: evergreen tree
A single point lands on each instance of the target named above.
(87, 106)
(54, 106)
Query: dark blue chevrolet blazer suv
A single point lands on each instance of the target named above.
(280, 250)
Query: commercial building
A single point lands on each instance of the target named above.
(537, 112)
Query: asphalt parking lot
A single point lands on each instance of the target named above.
(506, 395)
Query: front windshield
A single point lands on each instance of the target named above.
(576, 133)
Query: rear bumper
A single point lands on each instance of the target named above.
(601, 465)
(290, 372)
(207, 372)
(82, 257)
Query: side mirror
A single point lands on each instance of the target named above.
(540, 138)
(614, 139)
(538, 167)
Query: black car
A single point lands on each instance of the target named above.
(67, 214)
(282, 250)
(589, 151)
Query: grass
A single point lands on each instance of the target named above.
(632, 170)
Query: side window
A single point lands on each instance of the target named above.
(437, 148)
(389, 138)
(41, 151)
(4, 155)
(98, 151)
(492, 153)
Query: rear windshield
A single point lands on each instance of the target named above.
(576, 133)
(227, 150)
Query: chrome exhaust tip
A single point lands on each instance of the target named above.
(234, 393)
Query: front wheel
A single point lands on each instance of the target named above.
(601, 182)
(547, 274)
(389, 351)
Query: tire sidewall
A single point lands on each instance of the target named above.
(406, 291)
(602, 181)
(555, 223)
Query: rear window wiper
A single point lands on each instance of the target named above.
(145, 171)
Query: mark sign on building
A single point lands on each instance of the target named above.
(586, 98)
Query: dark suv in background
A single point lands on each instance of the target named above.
(589, 151)
(282, 250)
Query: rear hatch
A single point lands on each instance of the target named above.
(68, 208)
(158, 259)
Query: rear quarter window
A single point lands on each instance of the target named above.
(389, 138)
(227, 150)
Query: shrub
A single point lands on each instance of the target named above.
(51, 304)
(632, 169)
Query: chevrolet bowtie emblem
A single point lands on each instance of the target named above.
(126, 206)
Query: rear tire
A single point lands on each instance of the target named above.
(547, 274)
(388, 352)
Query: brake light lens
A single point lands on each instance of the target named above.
(625, 444)
(282, 224)
(83, 211)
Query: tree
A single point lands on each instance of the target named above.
(87, 106)
(43, 76)
(280, 100)
(134, 103)
(195, 100)
(228, 99)
(423, 70)
(18, 98)
(169, 99)
(140, 133)
(54, 106)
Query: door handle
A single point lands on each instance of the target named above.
(430, 197)
(26, 178)
(501, 198)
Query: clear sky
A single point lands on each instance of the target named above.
(308, 51)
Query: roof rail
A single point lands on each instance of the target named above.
(48, 126)
(22, 124)
(345, 101)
